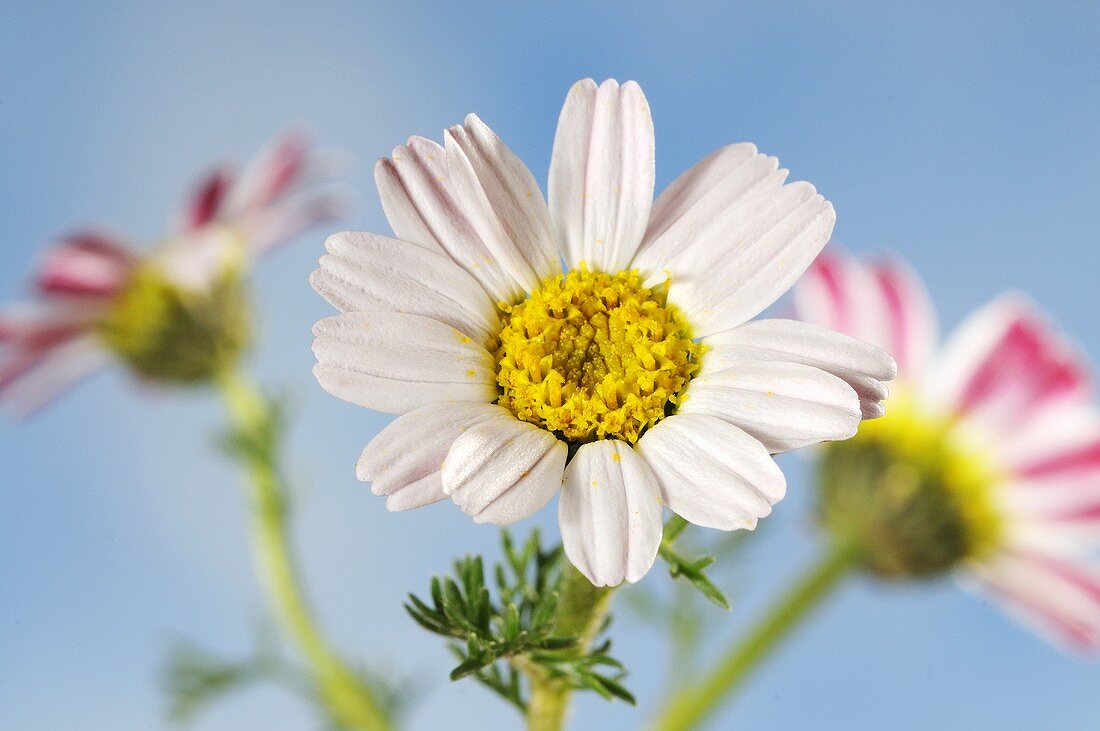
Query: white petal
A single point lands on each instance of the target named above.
(392, 362)
(424, 207)
(690, 214)
(404, 460)
(610, 513)
(784, 405)
(503, 470)
(601, 173)
(883, 303)
(861, 365)
(504, 203)
(401, 182)
(425, 491)
(750, 256)
(195, 259)
(365, 271)
(712, 473)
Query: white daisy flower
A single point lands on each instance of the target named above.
(999, 428)
(631, 378)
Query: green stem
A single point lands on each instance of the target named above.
(691, 705)
(348, 701)
(581, 612)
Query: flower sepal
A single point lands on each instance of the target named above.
(911, 501)
(182, 327)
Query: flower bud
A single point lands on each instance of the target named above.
(912, 498)
(183, 315)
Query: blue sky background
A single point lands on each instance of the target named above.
(963, 136)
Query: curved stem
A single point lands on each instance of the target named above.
(349, 702)
(581, 612)
(690, 706)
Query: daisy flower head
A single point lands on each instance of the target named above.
(630, 378)
(177, 313)
(989, 460)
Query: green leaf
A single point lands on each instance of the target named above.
(690, 569)
(558, 643)
(193, 678)
(518, 621)
(543, 613)
(617, 690)
(708, 589)
(467, 667)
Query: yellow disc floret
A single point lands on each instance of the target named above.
(592, 355)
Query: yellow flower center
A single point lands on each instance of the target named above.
(591, 355)
(920, 493)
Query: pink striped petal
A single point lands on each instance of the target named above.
(1087, 512)
(1051, 438)
(22, 360)
(286, 189)
(1058, 596)
(1073, 460)
(1051, 496)
(883, 303)
(85, 264)
(30, 380)
(42, 353)
(908, 314)
(824, 295)
(39, 330)
(1006, 366)
(272, 174)
(206, 202)
(280, 223)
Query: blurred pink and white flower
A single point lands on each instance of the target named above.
(1007, 407)
(631, 380)
(97, 293)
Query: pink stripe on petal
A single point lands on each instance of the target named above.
(41, 334)
(31, 349)
(909, 320)
(1060, 598)
(104, 243)
(76, 274)
(283, 222)
(17, 365)
(207, 200)
(277, 170)
(1083, 459)
(897, 317)
(1067, 571)
(1027, 368)
(827, 268)
(1080, 514)
(51, 375)
(85, 264)
(9, 329)
(1068, 629)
